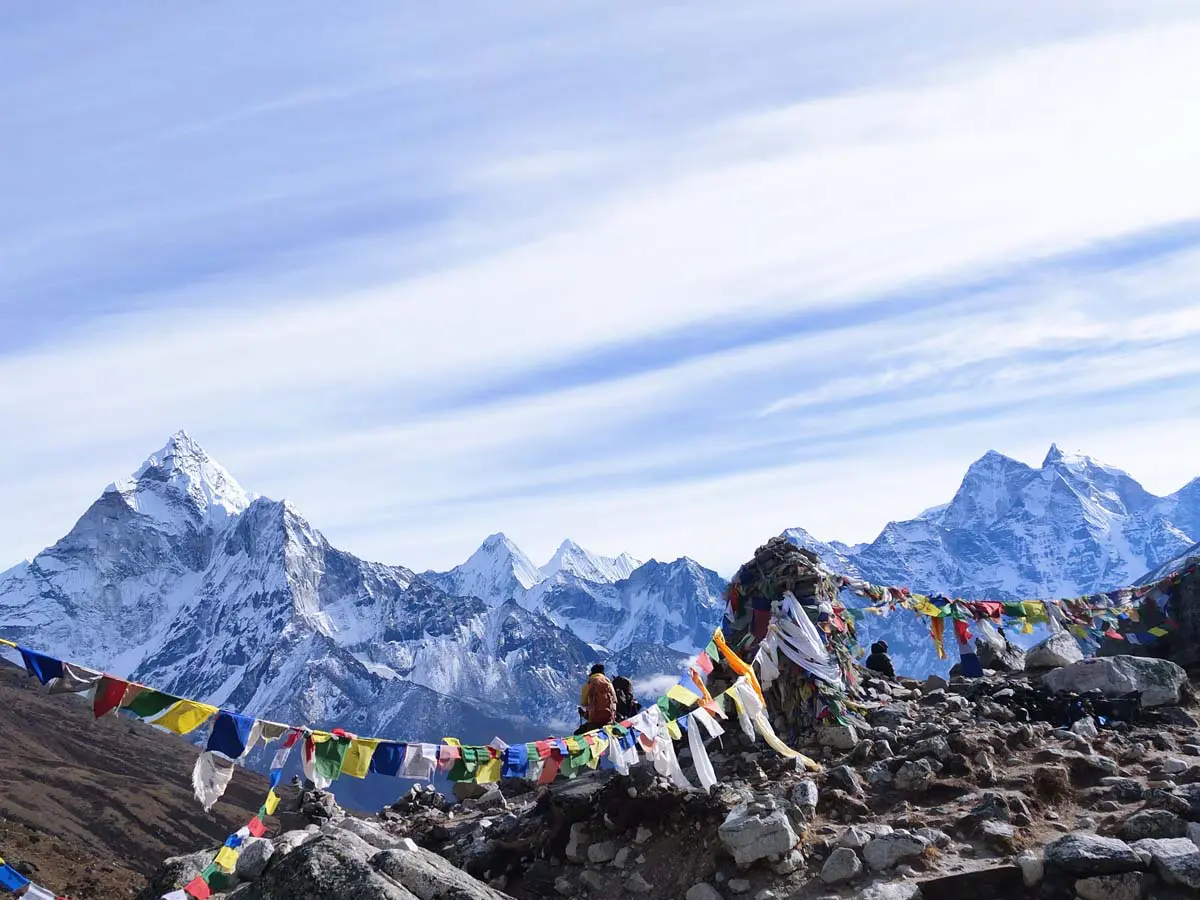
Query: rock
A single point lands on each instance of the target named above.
(703, 891)
(1086, 728)
(1175, 860)
(636, 884)
(839, 737)
(430, 877)
(333, 867)
(854, 838)
(468, 790)
(934, 683)
(805, 796)
(1127, 886)
(843, 865)
(1004, 658)
(1128, 790)
(174, 873)
(563, 885)
(253, 856)
(621, 860)
(935, 836)
(593, 881)
(602, 852)
(1033, 869)
(1160, 681)
(998, 836)
(491, 799)
(576, 843)
(1089, 854)
(1059, 649)
(373, 834)
(915, 776)
(792, 861)
(886, 851)
(643, 834)
(739, 886)
(289, 841)
(756, 830)
(844, 778)
(1152, 823)
(1173, 765)
(879, 774)
(901, 890)
(886, 717)
(937, 747)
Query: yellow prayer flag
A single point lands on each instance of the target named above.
(185, 716)
(1026, 626)
(226, 859)
(357, 761)
(272, 802)
(682, 695)
(488, 771)
(1159, 632)
(674, 731)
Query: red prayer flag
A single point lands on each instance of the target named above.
(109, 694)
(256, 826)
(703, 663)
(1115, 635)
(198, 888)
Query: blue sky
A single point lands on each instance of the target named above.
(666, 278)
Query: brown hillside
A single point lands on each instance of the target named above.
(94, 806)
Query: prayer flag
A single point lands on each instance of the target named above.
(44, 668)
(148, 703)
(704, 663)
(109, 693)
(256, 827)
(387, 758)
(1159, 632)
(357, 762)
(272, 802)
(680, 694)
(185, 716)
(226, 859)
(230, 735)
(198, 888)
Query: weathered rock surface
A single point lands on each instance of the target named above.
(329, 868)
(890, 850)
(755, 830)
(1089, 854)
(429, 877)
(1174, 860)
(1057, 650)
(843, 865)
(1160, 681)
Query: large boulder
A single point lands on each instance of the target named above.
(1175, 860)
(1159, 681)
(1089, 854)
(843, 865)
(330, 867)
(756, 830)
(175, 872)
(1059, 649)
(892, 849)
(1001, 656)
(429, 877)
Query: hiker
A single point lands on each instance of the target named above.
(597, 701)
(879, 661)
(627, 705)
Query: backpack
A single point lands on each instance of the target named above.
(626, 704)
(602, 701)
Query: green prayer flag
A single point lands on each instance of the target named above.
(328, 756)
(149, 703)
(713, 653)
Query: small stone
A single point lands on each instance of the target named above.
(886, 851)
(915, 776)
(643, 834)
(906, 871)
(935, 836)
(621, 860)
(594, 882)
(1089, 854)
(1153, 823)
(839, 737)
(792, 861)
(563, 885)
(998, 835)
(843, 865)
(1173, 765)
(703, 891)
(854, 838)
(1032, 868)
(575, 844)
(846, 779)
(739, 886)
(805, 796)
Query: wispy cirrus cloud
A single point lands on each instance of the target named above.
(663, 279)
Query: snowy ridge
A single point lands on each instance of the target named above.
(574, 560)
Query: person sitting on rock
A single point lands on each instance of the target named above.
(627, 704)
(597, 701)
(879, 661)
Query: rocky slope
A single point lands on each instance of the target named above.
(988, 788)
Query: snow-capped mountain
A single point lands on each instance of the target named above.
(179, 578)
(498, 571)
(1172, 566)
(1073, 526)
(572, 559)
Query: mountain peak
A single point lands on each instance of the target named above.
(184, 468)
(575, 560)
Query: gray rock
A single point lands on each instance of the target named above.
(621, 860)
(854, 838)
(253, 856)
(915, 776)
(373, 834)
(900, 890)
(703, 891)
(175, 872)
(755, 830)
(846, 779)
(1153, 823)
(998, 835)
(468, 790)
(879, 774)
(1175, 860)
(1089, 854)
(289, 841)
(890, 849)
(577, 842)
(430, 877)
(643, 834)
(491, 799)
(1003, 658)
(593, 881)
(839, 737)
(330, 867)
(1173, 765)
(1059, 649)
(792, 861)
(935, 836)
(636, 884)
(739, 886)
(1160, 681)
(1085, 728)
(886, 717)
(937, 747)
(602, 852)
(1127, 886)
(843, 865)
